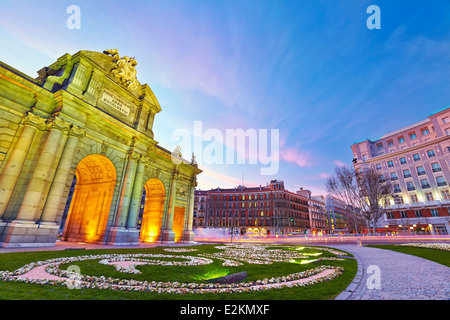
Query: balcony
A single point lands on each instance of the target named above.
(420, 173)
(394, 178)
(425, 186)
(423, 204)
(443, 183)
(407, 176)
(411, 188)
(437, 169)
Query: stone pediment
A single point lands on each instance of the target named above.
(107, 81)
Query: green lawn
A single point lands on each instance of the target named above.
(188, 274)
(439, 256)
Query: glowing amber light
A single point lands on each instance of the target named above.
(91, 201)
(153, 210)
(178, 223)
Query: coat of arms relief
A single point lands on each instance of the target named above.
(124, 70)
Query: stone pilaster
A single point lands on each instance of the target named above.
(188, 234)
(127, 189)
(137, 194)
(12, 170)
(51, 213)
(42, 172)
(120, 235)
(168, 235)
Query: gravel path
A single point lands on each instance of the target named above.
(389, 275)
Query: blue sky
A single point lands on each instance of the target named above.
(311, 69)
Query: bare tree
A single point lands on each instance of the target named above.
(360, 189)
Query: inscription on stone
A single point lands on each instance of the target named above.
(115, 102)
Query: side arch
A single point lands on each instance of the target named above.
(91, 202)
(152, 216)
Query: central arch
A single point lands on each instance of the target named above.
(91, 202)
(152, 215)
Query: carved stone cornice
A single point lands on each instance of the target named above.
(59, 124)
(34, 120)
(77, 131)
(133, 155)
(146, 161)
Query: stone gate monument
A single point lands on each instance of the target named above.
(87, 116)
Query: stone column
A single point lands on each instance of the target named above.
(188, 235)
(168, 234)
(13, 167)
(42, 172)
(127, 189)
(57, 190)
(136, 195)
(119, 234)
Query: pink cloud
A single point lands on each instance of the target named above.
(292, 155)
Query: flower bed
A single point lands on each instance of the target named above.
(438, 246)
(232, 255)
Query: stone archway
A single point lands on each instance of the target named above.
(91, 201)
(178, 223)
(153, 211)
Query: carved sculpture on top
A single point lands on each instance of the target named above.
(125, 69)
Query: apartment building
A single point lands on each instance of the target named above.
(416, 159)
(263, 210)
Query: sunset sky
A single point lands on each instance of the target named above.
(309, 69)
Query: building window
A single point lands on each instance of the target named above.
(379, 146)
(436, 167)
(401, 140)
(425, 132)
(378, 166)
(434, 212)
(420, 171)
(412, 136)
(394, 176)
(399, 200)
(397, 188)
(406, 173)
(441, 181)
(431, 153)
(414, 198)
(364, 157)
(403, 214)
(445, 120)
(382, 178)
(403, 160)
(390, 215)
(390, 163)
(418, 213)
(429, 196)
(424, 184)
(445, 194)
(447, 132)
(416, 157)
(410, 186)
(390, 143)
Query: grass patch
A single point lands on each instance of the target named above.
(439, 256)
(183, 274)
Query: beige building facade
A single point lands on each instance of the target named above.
(87, 117)
(416, 159)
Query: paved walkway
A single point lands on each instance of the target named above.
(401, 276)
